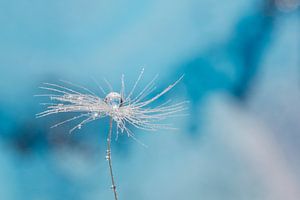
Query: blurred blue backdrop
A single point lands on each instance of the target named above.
(241, 60)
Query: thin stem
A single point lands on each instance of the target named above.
(108, 158)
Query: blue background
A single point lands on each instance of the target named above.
(241, 60)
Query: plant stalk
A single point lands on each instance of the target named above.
(108, 158)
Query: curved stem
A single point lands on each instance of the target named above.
(108, 158)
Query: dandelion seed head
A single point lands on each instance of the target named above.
(135, 108)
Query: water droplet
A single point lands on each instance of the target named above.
(114, 100)
(107, 157)
(79, 126)
(95, 115)
(113, 187)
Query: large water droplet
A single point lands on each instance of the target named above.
(114, 100)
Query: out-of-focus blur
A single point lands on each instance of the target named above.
(241, 60)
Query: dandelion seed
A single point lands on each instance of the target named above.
(121, 109)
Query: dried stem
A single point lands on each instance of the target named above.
(108, 158)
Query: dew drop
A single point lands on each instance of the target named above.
(79, 126)
(113, 187)
(114, 100)
(95, 115)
